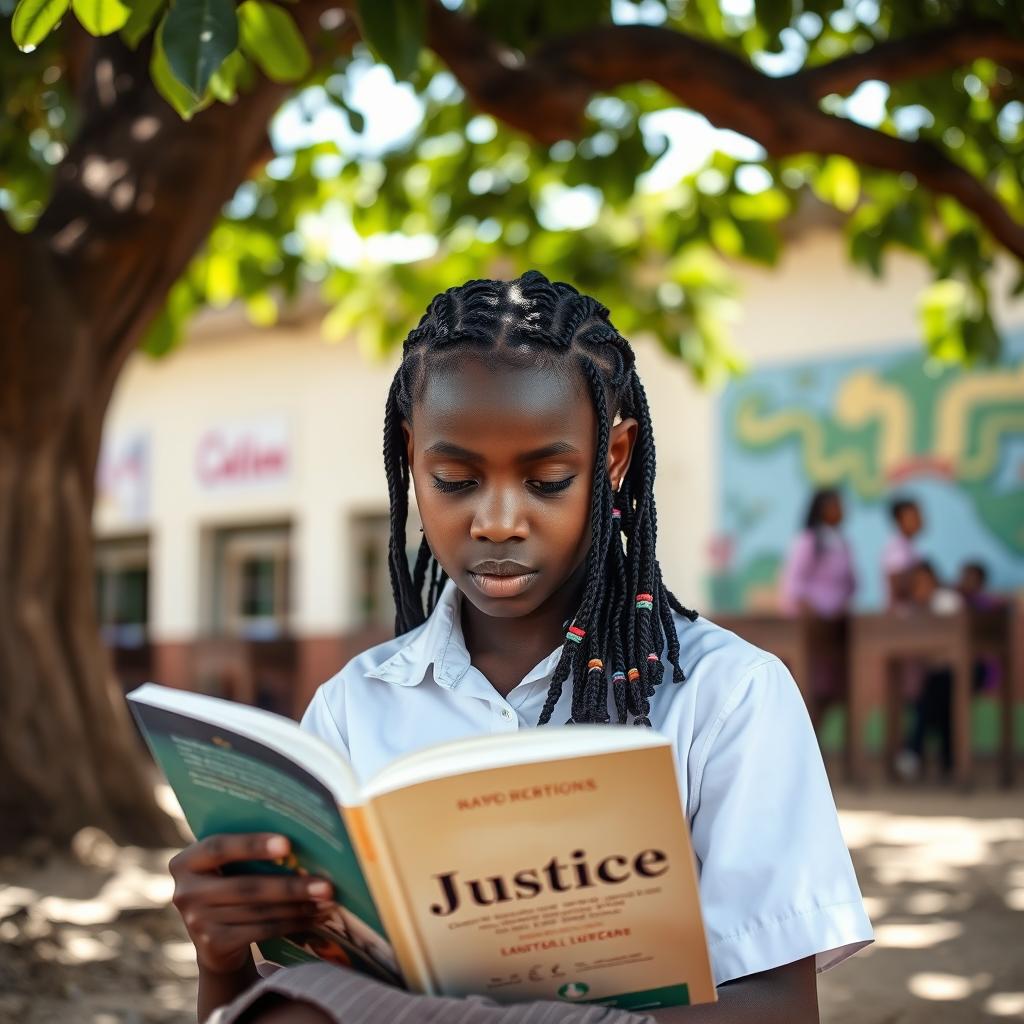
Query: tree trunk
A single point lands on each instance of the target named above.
(69, 753)
(132, 202)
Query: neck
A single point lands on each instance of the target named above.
(529, 638)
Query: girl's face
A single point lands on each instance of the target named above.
(832, 512)
(502, 465)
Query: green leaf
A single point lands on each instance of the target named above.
(774, 16)
(198, 36)
(269, 35)
(355, 119)
(261, 309)
(35, 19)
(224, 81)
(101, 17)
(838, 183)
(167, 83)
(162, 336)
(943, 312)
(143, 15)
(394, 30)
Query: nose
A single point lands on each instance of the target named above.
(499, 516)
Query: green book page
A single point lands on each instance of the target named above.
(226, 782)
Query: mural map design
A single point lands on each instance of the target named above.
(876, 426)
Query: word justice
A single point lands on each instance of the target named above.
(555, 876)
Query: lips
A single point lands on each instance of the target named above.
(503, 578)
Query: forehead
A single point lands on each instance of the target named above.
(502, 408)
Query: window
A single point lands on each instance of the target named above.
(253, 580)
(122, 591)
(371, 536)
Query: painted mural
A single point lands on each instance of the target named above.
(876, 426)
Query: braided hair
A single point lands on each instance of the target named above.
(624, 620)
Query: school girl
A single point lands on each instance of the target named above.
(537, 599)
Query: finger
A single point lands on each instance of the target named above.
(215, 851)
(255, 913)
(259, 889)
(230, 937)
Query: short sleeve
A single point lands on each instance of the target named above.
(322, 719)
(897, 556)
(776, 880)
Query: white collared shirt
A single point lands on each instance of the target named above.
(776, 879)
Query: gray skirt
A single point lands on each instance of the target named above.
(350, 998)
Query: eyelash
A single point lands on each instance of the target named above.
(545, 487)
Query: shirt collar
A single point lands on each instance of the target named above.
(437, 644)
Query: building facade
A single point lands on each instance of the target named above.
(242, 513)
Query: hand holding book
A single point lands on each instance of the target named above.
(225, 913)
(491, 865)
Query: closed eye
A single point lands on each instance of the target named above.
(551, 486)
(450, 486)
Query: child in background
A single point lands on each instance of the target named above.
(537, 599)
(818, 578)
(927, 592)
(933, 707)
(900, 554)
(972, 584)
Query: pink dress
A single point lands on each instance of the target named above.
(818, 573)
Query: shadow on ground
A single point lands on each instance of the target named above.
(943, 878)
(89, 938)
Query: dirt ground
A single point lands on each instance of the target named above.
(89, 938)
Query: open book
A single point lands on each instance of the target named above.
(551, 863)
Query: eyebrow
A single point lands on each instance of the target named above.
(548, 451)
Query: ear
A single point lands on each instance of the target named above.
(620, 450)
(407, 431)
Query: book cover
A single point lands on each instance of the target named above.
(228, 782)
(521, 867)
(570, 879)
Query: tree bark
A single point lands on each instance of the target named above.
(134, 199)
(69, 755)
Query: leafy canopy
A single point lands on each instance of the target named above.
(380, 228)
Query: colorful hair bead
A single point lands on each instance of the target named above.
(618, 677)
(575, 634)
(645, 601)
(595, 665)
(653, 657)
(634, 674)
(616, 513)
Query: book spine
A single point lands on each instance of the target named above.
(388, 894)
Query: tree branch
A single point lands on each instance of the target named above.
(545, 96)
(140, 189)
(929, 53)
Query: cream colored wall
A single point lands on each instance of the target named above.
(814, 303)
(333, 401)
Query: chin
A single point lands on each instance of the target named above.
(501, 607)
(511, 607)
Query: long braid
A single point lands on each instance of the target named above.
(645, 537)
(396, 465)
(424, 558)
(594, 685)
(624, 621)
